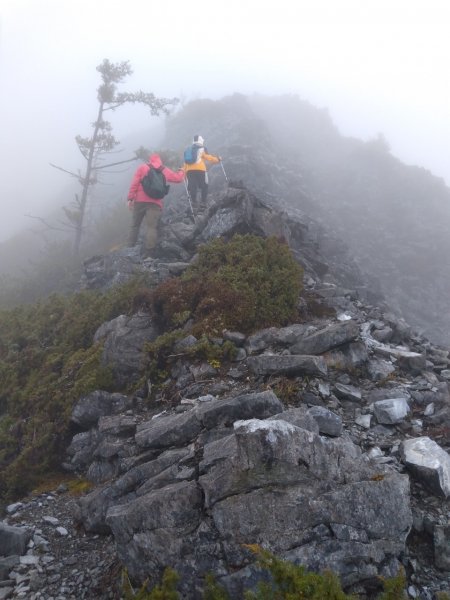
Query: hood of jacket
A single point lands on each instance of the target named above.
(155, 161)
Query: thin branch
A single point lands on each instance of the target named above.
(116, 163)
(83, 154)
(114, 106)
(67, 226)
(52, 227)
(66, 171)
(114, 172)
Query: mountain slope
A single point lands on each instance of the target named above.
(393, 217)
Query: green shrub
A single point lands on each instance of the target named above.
(244, 284)
(214, 591)
(287, 390)
(294, 582)
(47, 361)
(158, 353)
(394, 587)
(166, 591)
(212, 353)
(288, 582)
(161, 351)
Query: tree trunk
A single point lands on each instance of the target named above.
(87, 182)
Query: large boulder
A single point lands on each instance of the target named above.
(124, 340)
(327, 338)
(429, 463)
(307, 498)
(88, 410)
(13, 540)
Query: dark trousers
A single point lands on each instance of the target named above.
(197, 180)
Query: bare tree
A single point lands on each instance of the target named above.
(102, 141)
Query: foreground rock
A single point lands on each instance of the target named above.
(224, 481)
(305, 443)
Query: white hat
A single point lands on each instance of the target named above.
(198, 139)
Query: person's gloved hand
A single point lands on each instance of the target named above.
(130, 203)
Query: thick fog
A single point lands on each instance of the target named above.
(379, 67)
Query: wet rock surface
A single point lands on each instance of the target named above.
(310, 443)
(60, 561)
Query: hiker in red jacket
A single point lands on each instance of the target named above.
(146, 207)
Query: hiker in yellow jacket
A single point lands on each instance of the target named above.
(196, 173)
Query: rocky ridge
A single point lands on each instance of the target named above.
(392, 215)
(325, 441)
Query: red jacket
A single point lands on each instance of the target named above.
(136, 192)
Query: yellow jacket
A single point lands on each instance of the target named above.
(200, 164)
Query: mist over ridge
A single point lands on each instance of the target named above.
(392, 216)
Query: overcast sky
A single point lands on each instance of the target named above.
(379, 66)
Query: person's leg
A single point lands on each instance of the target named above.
(152, 217)
(192, 185)
(204, 186)
(139, 210)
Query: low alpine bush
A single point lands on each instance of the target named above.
(243, 284)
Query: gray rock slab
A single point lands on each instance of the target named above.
(13, 540)
(347, 392)
(441, 540)
(347, 356)
(81, 449)
(259, 515)
(271, 452)
(225, 412)
(272, 364)
(411, 361)
(91, 407)
(429, 463)
(379, 369)
(119, 425)
(391, 410)
(236, 337)
(274, 336)
(300, 417)
(8, 563)
(327, 338)
(159, 528)
(123, 346)
(91, 509)
(329, 422)
(173, 430)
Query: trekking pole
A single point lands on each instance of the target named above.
(189, 198)
(221, 164)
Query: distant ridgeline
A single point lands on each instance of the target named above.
(393, 217)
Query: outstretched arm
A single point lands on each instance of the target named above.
(172, 176)
(211, 158)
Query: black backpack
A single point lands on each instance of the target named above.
(154, 184)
